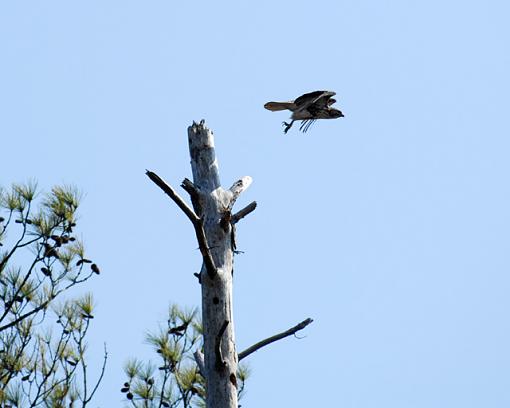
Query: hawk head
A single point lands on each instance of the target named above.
(334, 113)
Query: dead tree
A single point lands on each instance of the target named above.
(214, 224)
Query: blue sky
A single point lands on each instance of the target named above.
(389, 227)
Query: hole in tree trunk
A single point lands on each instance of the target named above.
(233, 380)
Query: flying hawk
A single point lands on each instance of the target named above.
(308, 108)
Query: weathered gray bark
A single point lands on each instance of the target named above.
(214, 226)
(213, 205)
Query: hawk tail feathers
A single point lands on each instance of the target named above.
(278, 106)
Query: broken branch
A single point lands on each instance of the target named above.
(204, 248)
(243, 212)
(199, 359)
(274, 338)
(194, 194)
(173, 195)
(237, 188)
(217, 349)
(196, 221)
(188, 185)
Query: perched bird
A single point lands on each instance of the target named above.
(308, 108)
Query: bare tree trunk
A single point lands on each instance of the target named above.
(213, 205)
(214, 226)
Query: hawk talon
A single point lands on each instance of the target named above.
(287, 126)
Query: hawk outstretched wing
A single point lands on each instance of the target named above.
(320, 98)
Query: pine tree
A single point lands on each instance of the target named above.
(42, 335)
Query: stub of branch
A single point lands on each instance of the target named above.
(243, 212)
(237, 188)
(274, 338)
(194, 194)
(217, 347)
(199, 359)
(197, 222)
(190, 188)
